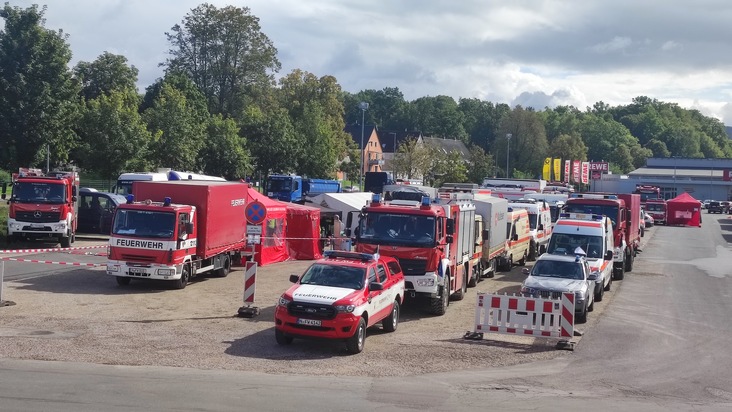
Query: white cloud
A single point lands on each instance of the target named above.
(616, 44)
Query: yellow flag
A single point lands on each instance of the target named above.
(547, 168)
(557, 170)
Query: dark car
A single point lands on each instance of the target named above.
(96, 210)
(715, 207)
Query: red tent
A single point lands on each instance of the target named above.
(272, 249)
(683, 210)
(303, 232)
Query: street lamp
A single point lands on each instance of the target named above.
(363, 106)
(508, 150)
(393, 158)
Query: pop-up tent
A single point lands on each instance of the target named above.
(683, 210)
(344, 204)
(303, 232)
(272, 248)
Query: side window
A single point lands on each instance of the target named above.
(381, 272)
(394, 268)
(372, 275)
(104, 202)
(183, 218)
(85, 201)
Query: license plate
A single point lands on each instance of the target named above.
(308, 322)
(137, 270)
(37, 225)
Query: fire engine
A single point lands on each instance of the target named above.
(432, 239)
(647, 192)
(43, 206)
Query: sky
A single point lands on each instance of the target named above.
(537, 53)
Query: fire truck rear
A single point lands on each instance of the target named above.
(43, 206)
(432, 239)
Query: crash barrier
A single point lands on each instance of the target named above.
(55, 249)
(520, 315)
(250, 287)
(49, 262)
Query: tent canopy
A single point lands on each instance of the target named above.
(344, 203)
(683, 210)
(272, 248)
(303, 232)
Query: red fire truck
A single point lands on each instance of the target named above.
(624, 212)
(179, 230)
(647, 192)
(43, 206)
(432, 239)
(657, 209)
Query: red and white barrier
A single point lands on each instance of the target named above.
(250, 286)
(519, 315)
(55, 249)
(49, 262)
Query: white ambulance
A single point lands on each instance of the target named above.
(592, 233)
(540, 223)
(518, 239)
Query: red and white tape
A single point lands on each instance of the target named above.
(54, 249)
(48, 262)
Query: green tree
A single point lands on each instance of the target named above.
(528, 143)
(39, 103)
(481, 120)
(107, 73)
(225, 53)
(481, 165)
(658, 148)
(272, 139)
(412, 159)
(182, 131)
(568, 147)
(439, 117)
(223, 153)
(115, 137)
(445, 167)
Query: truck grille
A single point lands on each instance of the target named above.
(38, 217)
(137, 258)
(413, 266)
(311, 310)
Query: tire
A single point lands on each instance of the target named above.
(619, 273)
(629, 262)
(609, 284)
(460, 293)
(475, 277)
(65, 241)
(184, 278)
(355, 343)
(122, 280)
(533, 251)
(494, 267)
(391, 322)
(438, 306)
(281, 338)
(522, 262)
(592, 306)
(223, 271)
(582, 316)
(599, 295)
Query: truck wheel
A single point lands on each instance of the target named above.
(460, 293)
(492, 268)
(390, 322)
(184, 278)
(475, 276)
(224, 270)
(522, 262)
(122, 280)
(355, 343)
(532, 251)
(281, 338)
(65, 241)
(438, 306)
(619, 272)
(629, 258)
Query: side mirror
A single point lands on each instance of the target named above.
(448, 239)
(450, 229)
(294, 278)
(73, 198)
(189, 227)
(514, 237)
(593, 276)
(525, 271)
(609, 255)
(376, 286)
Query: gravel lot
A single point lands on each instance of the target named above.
(82, 315)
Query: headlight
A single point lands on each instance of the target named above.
(345, 308)
(529, 291)
(425, 282)
(166, 272)
(59, 226)
(579, 295)
(283, 301)
(16, 226)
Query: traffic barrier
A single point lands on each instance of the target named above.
(55, 249)
(250, 287)
(49, 262)
(520, 315)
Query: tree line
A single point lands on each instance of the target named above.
(220, 109)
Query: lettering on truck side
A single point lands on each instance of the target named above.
(238, 202)
(140, 244)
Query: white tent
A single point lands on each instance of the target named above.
(344, 203)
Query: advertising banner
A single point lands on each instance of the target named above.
(547, 170)
(585, 172)
(576, 171)
(566, 171)
(557, 170)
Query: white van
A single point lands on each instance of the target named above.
(540, 223)
(592, 233)
(518, 239)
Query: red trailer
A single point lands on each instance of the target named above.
(177, 230)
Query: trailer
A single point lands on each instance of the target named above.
(296, 189)
(178, 230)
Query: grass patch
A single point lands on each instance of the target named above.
(3, 222)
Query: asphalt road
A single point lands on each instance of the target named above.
(663, 344)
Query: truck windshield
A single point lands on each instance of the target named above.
(605, 210)
(280, 185)
(397, 229)
(39, 192)
(645, 196)
(335, 276)
(144, 223)
(655, 207)
(124, 187)
(566, 244)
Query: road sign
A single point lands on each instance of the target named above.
(255, 212)
(254, 234)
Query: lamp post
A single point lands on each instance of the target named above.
(393, 158)
(508, 151)
(363, 106)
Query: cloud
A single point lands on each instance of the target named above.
(616, 44)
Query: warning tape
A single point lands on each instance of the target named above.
(48, 262)
(54, 249)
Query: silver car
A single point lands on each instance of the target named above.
(554, 274)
